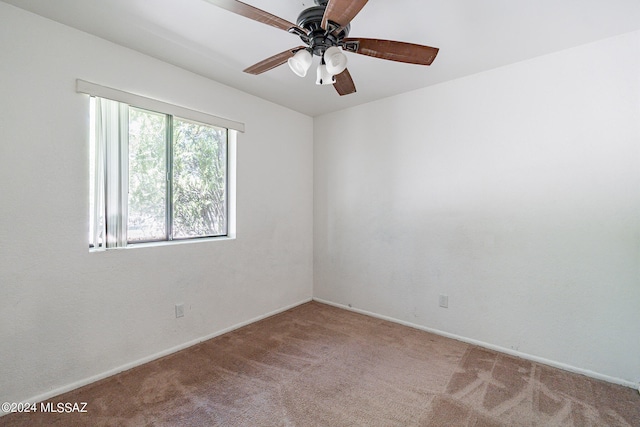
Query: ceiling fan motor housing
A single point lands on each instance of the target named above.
(319, 39)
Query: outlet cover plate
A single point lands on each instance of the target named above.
(179, 310)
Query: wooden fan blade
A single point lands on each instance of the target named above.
(392, 50)
(254, 13)
(341, 12)
(344, 83)
(272, 62)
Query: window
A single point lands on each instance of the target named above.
(155, 176)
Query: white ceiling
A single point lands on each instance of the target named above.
(472, 35)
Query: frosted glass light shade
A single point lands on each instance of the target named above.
(300, 62)
(336, 60)
(324, 77)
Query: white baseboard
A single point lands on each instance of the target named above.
(509, 351)
(92, 379)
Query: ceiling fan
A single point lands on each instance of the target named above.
(324, 29)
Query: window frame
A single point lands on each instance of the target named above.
(170, 113)
(169, 142)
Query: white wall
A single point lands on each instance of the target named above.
(67, 315)
(516, 192)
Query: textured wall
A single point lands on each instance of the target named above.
(67, 315)
(516, 192)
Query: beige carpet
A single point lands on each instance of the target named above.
(317, 365)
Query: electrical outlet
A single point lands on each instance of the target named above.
(443, 301)
(179, 310)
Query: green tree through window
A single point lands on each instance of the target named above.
(147, 176)
(199, 179)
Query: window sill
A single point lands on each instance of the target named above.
(165, 243)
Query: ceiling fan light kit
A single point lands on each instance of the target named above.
(324, 29)
(324, 77)
(333, 63)
(336, 60)
(300, 62)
